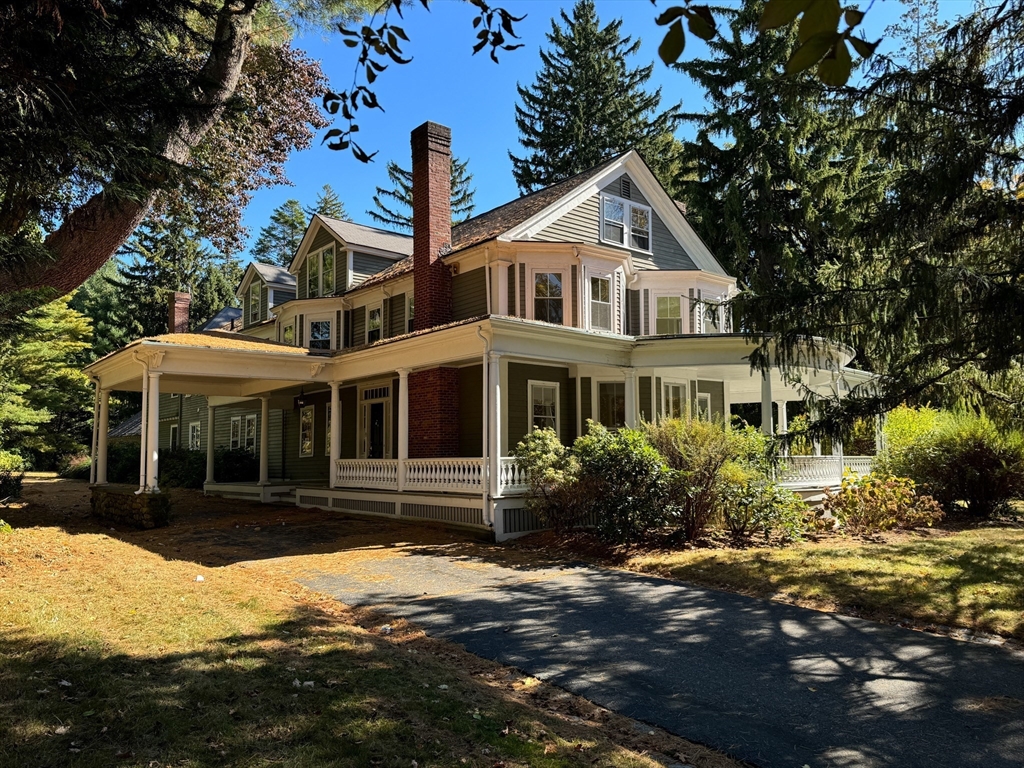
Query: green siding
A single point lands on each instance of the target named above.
(469, 294)
(308, 469)
(519, 375)
(657, 395)
(300, 282)
(512, 290)
(586, 408)
(717, 391)
(471, 417)
(645, 399)
(222, 432)
(264, 301)
(396, 315)
(358, 326)
(569, 426)
(632, 312)
(348, 422)
(322, 240)
(364, 265)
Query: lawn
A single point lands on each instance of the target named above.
(115, 654)
(972, 579)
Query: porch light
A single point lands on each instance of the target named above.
(301, 399)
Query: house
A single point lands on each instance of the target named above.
(389, 375)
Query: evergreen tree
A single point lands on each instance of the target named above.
(327, 204)
(98, 299)
(393, 207)
(587, 104)
(279, 240)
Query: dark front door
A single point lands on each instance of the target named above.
(375, 428)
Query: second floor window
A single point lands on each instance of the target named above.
(668, 317)
(254, 303)
(320, 273)
(373, 325)
(411, 312)
(547, 293)
(624, 222)
(601, 303)
(288, 334)
(320, 334)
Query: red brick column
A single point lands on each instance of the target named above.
(434, 413)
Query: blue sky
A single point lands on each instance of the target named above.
(476, 98)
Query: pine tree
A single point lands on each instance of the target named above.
(393, 207)
(279, 240)
(587, 104)
(327, 204)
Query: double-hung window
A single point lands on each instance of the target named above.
(174, 437)
(288, 333)
(313, 276)
(373, 324)
(611, 396)
(409, 312)
(601, 303)
(674, 406)
(624, 222)
(547, 297)
(254, 302)
(319, 334)
(320, 273)
(236, 431)
(195, 438)
(306, 431)
(668, 315)
(544, 405)
(250, 433)
(704, 406)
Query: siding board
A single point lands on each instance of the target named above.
(717, 391)
(397, 315)
(519, 375)
(364, 265)
(469, 294)
(471, 406)
(358, 326)
(646, 413)
(586, 410)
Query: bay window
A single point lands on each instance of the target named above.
(319, 334)
(601, 303)
(668, 315)
(547, 297)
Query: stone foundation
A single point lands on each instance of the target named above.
(124, 506)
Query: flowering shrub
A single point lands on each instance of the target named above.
(879, 503)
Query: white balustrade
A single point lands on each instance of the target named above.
(812, 471)
(368, 473)
(858, 465)
(445, 475)
(511, 477)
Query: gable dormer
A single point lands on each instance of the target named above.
(263, 286)
(336, 256)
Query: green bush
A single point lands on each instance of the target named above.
(235, 465)
(879, 502)
(75, 467)
(12, 474)
(961, 459)
(761, 504)
(182, 468)
(552, 476)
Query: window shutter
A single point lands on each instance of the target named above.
(647, 311)
(575, 278)
(522, 290)
(300, 330)
(385, 318)
(337, 329)
(512, 289)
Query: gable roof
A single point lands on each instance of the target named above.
(130, 427)
(272, 275)
(225, 320)
(368, 237)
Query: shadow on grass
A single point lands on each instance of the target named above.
(234, 702)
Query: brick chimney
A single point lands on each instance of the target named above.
(177, 312)
(431, 224)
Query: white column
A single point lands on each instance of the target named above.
(403, 424)
(767, 426)
(153, 432)
(783, 416)
(210, 426)
(335, 431)
(144, 432)
(630, 397)
(500, 305)
(264, 441)
(101, 438)
(95, 429)
(494, 418)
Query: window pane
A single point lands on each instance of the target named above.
(547, 304)
(313, 281)
(306, 431)
(614, 210)
(236, 431)
(373, 325)
(674, 401)
(600, 303)
(320, 334)
(640, 228)
(254, 303)
(328, 271)
(669, 315)
(288, 336)
(612, 403)
(545, 408)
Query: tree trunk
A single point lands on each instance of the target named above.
(93, 232)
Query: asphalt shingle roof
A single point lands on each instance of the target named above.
(370, 237)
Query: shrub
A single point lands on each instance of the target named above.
(552, 476)
(75, 467)
(764, 505)
(234, 465)
(182, 468)
(963, 458)
(5, 528)
(12, 474)
(623, 475)
(878, 502)
(123, 461)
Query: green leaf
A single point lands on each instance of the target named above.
(671, 47)
(853, 17)
(863, 47)
(820, 17)
(779, 13)
(669, 15)
(835, 68)
(699, 26)
(808, 54)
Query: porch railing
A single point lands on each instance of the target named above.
(445, 475)
(821, 471)
(511, 478)
(368, 473)
(860, 465)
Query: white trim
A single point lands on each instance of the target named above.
(530, 384)
(705, 397)
(590, 273)
(410, 307)
(563, 271)
(596, 400)
(259, 303)
(361, 426)
(235, 440)
(378, 305)
(627, 224)
(653, 310)
(250, 417)
(684, 399)
(174, 438)
(198, 426)
(312, 431)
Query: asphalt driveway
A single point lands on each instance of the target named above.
(773, 684)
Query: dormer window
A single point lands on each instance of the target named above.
(320, 273)
(622, 219)
(254, 302)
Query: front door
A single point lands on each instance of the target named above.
(373, 421)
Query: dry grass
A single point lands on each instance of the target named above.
(970, 578)
(115, 654)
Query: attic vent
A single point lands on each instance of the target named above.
(627, 188)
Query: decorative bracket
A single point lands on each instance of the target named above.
(315, 369)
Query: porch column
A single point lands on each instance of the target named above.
(264, 441)
(630, 397)
(144, 432)
(767, 427)
(101, 438)
(210, 423)
(153, 432)
(494, 407)
(781, 406)
(95, 427)
(335, 431)
(403, 425)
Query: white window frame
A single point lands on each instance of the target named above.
(703, 413)
(379, 307)
(195, 430)
(250, 418)
(684, 402)
(317, 257)
(255, 303)
(289, 326)
(329, 319)
(409, 311)
(600, 275)
(312, 431)
(362, 403)
(173, 439)
(559, 270)
(654, 311)
(597, 399)
(627, 224)
(235, 435)
(530, 384)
